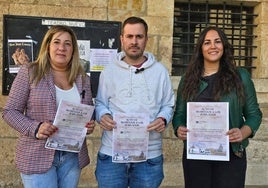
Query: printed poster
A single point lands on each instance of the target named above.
(208, 123)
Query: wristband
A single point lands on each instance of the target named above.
(36, 130)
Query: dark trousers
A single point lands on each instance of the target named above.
(215, 174)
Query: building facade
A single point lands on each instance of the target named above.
(159, 15)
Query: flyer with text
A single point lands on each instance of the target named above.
(71, 119)
(130, 138)
(208, 123)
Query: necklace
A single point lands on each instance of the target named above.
(209, 73)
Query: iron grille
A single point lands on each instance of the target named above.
(191, 18)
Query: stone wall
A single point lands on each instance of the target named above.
(159, 15)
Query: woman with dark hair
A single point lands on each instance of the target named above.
(31, 108)
(213, 77)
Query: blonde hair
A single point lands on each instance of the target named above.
(41, 66)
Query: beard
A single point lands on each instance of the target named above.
(134, 52)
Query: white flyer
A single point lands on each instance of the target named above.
(71, 119)
(100, 58)
(208, 123)
(130, 138)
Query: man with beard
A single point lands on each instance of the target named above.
(135, 83)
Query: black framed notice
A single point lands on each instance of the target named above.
(98, 41)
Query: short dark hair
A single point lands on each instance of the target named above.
(135, 20)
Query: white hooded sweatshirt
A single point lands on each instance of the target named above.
(123, 89)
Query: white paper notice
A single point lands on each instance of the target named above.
(208, 123)
(130, 138)
(71, 119)
(100, 58)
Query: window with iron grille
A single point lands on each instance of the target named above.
(191, 18)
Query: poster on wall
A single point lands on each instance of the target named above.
(98, 41)
(20, 51)
(84, 54)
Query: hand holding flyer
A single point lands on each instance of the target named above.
(208, 123)
(130, 138)
(71, 119)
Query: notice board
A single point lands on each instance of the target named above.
(98, 42)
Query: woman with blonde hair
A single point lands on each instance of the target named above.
(31, 108)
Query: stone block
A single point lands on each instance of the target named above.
(160, 8)
(98, 14)
(261, 85)
(262, 97)
(6, 130)
(4, 10)
(87, 178)
(257, 175)
(162, 26)
(173, 175)
(152, 46)
(9, 177)
(169, 132)
(7, 154)
(257, 152)
(164, 53)
(52, 11)
(133, 5)
(93, 146)
(172, 150)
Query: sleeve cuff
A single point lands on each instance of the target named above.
(163, 119)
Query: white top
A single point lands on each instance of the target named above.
(71, 95)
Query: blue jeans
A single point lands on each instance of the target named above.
(148, 174)
(64, 173)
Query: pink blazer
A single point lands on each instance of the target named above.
(26, 107)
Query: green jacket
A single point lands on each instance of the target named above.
(239, 114)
